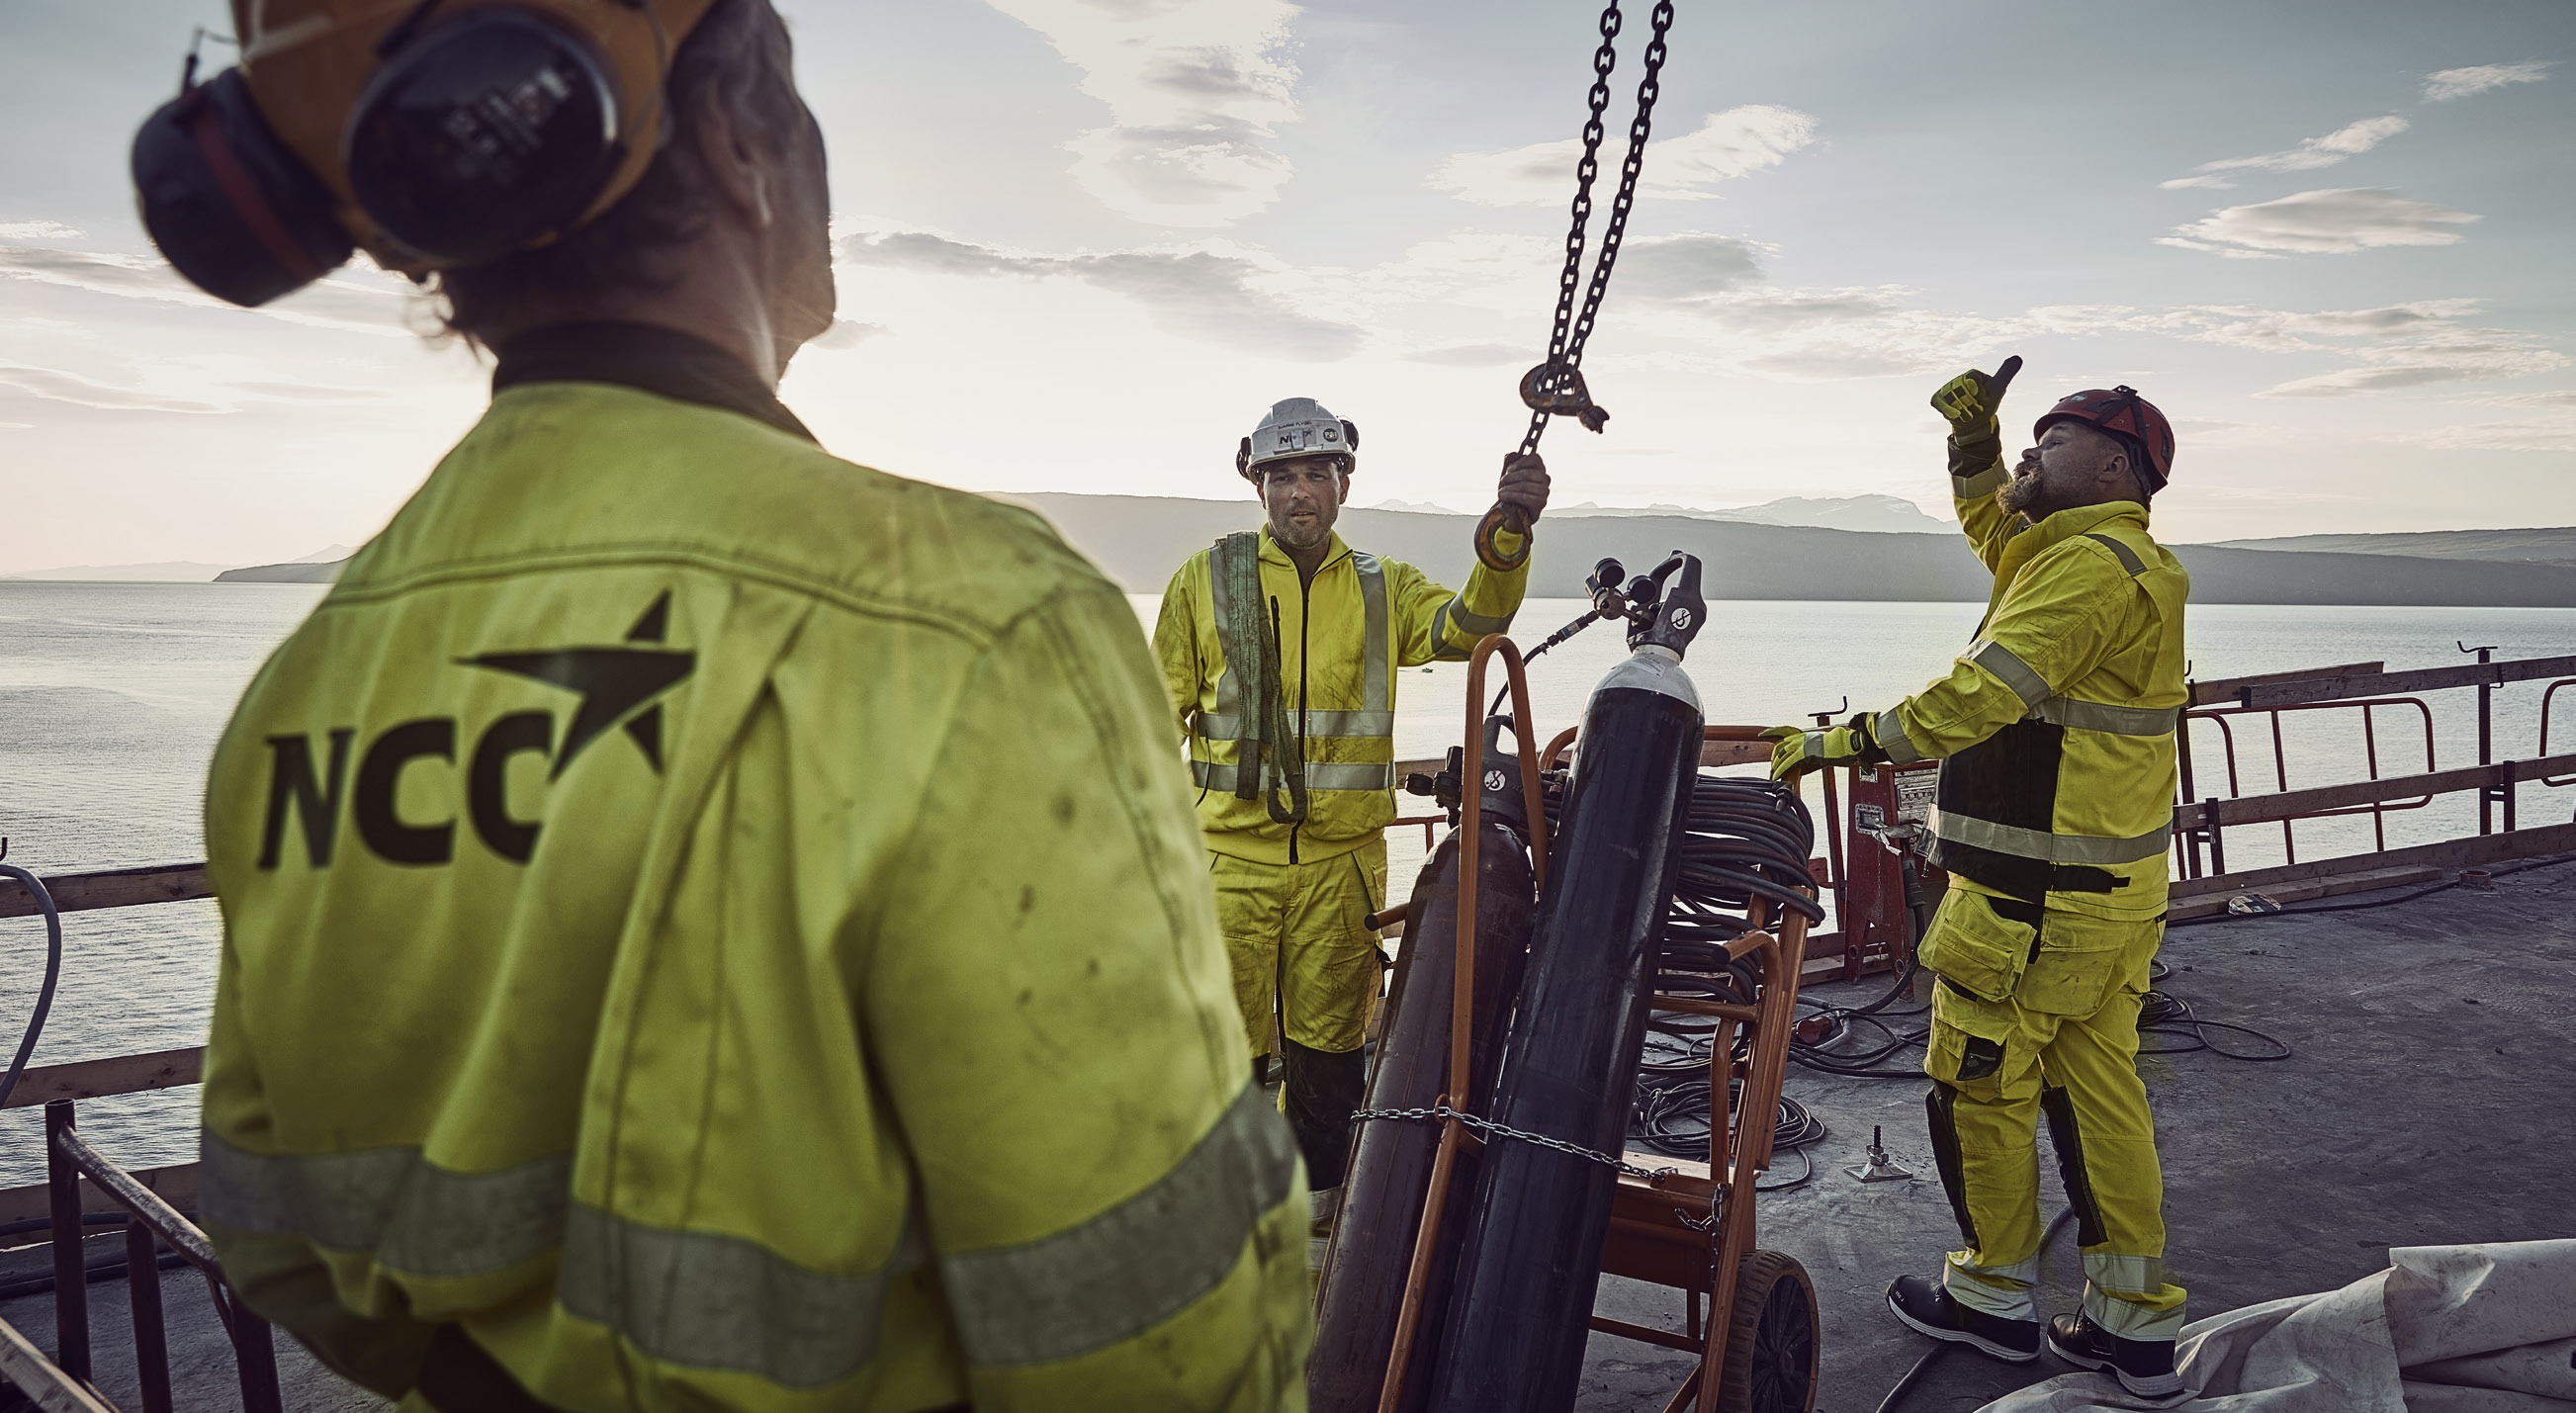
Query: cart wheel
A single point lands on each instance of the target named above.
(1771, 1339)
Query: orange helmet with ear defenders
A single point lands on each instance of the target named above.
(435, 133)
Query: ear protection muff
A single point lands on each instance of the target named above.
(227, 203)
(446, 135)
(485, 135)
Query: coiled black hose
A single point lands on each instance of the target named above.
(1744, 839)
(53, 973)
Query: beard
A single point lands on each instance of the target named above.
(2023, 495)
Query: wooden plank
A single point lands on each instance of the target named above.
(2454, 853)
(118, 1074)
(2224, 689)
(41, 1380)
(1717, 753)
(2261, 809)
(2389, 684)
(176, 1185)
(115, 888)
(2208, 903)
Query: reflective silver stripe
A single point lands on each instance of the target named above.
(413, 1215)
(1374, 692)
(1477, 625)
(1814, 747)
(1979, 485)
(1213, 727)
(2054, 848)
(712, 1301)
(2009, 669)
(1134, 1266)
(1229, 692)
(2116, 720)
(1328, 775)
(2133, 1275)
(1893, 740)
(2128, 557)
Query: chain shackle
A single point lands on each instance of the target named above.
(1555, 388)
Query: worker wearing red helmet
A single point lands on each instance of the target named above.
(2055, 733)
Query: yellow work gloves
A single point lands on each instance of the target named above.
(1802, 750)
(1971, 400)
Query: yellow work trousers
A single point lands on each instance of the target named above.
(1299, 940)
(1297, 937)
(2063, 1044)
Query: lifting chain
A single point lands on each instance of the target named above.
(1488, 1126)
(1555, 387)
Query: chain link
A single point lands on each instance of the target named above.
(1488, 1126)
(1556, 386)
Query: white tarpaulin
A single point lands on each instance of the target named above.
(2489, 1328)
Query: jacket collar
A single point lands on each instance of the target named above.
(2082, 520)
(645, 357)
(1273, 553)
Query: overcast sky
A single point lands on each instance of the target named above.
(1084, 244)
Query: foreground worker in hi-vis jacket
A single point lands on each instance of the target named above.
(2055, 732)
(1280, 648)
(709, 925)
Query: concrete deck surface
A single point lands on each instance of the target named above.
(2428, 1101)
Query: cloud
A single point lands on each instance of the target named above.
(2350, 140)
(2347, 381)
(72, 388)
(2336, 221)
(37, 230)
(848, 333)
(2478, 78)
(1196, 90)
(1731, 144)
(351, 301)
(1477, 355)
(2387, 349)
(1197, 294)
(1682, 266)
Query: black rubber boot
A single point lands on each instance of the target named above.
(1927, 1309)
(2144, 1367)
(1323, 1088)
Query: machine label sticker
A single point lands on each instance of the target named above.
(1914, 794)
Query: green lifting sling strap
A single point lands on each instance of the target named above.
(1251, 642)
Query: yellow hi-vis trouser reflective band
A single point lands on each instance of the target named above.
(2063, 1043)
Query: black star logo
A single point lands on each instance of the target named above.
(612, 682)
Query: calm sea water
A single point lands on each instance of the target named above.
(112, 696)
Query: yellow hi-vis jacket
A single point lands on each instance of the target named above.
(723, 928)
(1341, 639)
(2055, 729)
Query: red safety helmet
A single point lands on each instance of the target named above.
(2121, 412)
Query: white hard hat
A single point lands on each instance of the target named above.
(1298, 426)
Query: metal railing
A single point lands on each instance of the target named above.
(2224, 718)
(150, 1222)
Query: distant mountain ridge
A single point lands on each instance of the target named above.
(1140, 540)
(2540, 546)
(1874, 513)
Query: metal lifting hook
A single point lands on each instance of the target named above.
(1556, 388)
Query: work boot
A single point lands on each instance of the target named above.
(2144, 1367)
(1927, 1309)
